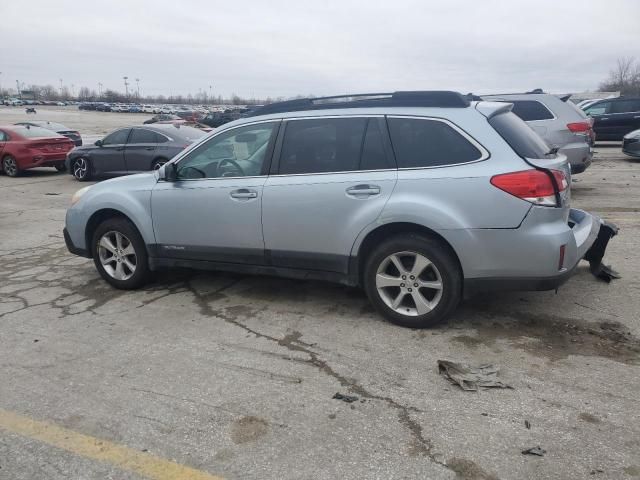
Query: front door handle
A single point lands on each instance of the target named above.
(244, 194)
(363, 190)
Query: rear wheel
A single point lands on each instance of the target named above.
(10, 166)
(119, 254)
(81, 169)
(413, 280)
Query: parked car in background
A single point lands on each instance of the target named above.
(135, 109)
(130, 150)
(418, 197)
(23, 147)
(103, 107)
(559, 122)
(70, 133)
(147, 108)
(161, 117)
(631, 144)
(61, 104)
(217, 119)
(615, 117)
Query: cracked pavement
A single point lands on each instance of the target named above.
(235, 375)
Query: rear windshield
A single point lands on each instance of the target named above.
(56, 127)
(524, 141)
(188, 134)
(35, 132)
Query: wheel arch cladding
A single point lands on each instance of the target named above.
(388, 230)
(103, 214)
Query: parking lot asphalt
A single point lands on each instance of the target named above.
(208, 375)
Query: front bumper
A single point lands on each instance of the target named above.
(72, 248)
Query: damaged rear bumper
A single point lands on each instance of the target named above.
(591, 234)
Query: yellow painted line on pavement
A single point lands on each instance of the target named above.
(122, 457)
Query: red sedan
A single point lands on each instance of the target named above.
(23, 147)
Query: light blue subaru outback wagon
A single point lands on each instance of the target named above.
(421, 198)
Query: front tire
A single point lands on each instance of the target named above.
(81, 169)
(10, 166)
(119, 254)
(413, 280)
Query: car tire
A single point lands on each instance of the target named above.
(119, 254)
(10, 166)
(61, 167)
(81, 169)
(413, 280)
(157, 163)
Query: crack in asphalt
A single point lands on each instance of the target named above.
(292, 342)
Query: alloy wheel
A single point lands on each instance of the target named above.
(117, 255)
(409, 283)
(80, 168)
(10, 166)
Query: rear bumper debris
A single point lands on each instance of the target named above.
(595, 254)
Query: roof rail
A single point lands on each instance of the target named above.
(429, 98)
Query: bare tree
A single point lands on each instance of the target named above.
(625, 77)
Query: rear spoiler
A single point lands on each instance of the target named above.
(491, 109)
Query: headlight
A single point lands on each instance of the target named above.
(634, 134)
(76, 196)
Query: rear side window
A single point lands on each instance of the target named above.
(322, 145)
(531, 110)
(524, 141)
(140, 135)
(116, 138)
(623, 106)
(373, 155)
(429, 143)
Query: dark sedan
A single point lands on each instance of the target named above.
(631, 144)
(60, 129)
(130, 150)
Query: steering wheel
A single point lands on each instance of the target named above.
(233, 163)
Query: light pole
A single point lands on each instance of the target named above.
(210, 95)
(138, 88)
(1, 96)
(73, 93)
(126, 87)
(60, 88)
(99, 90)
(19, 92)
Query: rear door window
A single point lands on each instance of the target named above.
(624, 106)
(141, 135)
(429, 143)
(373, 155)
(322, 145)
(531, 110)
(524, 141)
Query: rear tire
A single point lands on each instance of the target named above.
(119, 254)
(10, 166)
(81, 169)
(413, 280)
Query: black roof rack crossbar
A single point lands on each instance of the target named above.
(433, 98)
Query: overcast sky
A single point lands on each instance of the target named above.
(288, 47)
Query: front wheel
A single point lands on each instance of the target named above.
(119, 254)
(413, 280)
(10, 166)
(81, 169)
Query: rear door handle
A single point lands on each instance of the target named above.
(150, 148)
(363, 190)
(244, 194)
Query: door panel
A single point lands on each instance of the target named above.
(109, 158)
(205, 219)
(311, 221)
(140, 150)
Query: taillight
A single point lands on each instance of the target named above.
(534, 186)
(579, 127)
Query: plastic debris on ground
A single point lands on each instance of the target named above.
(471, 378)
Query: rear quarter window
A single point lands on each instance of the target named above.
(429, 143)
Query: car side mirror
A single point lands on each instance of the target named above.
(98, 143)
(170, 172)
